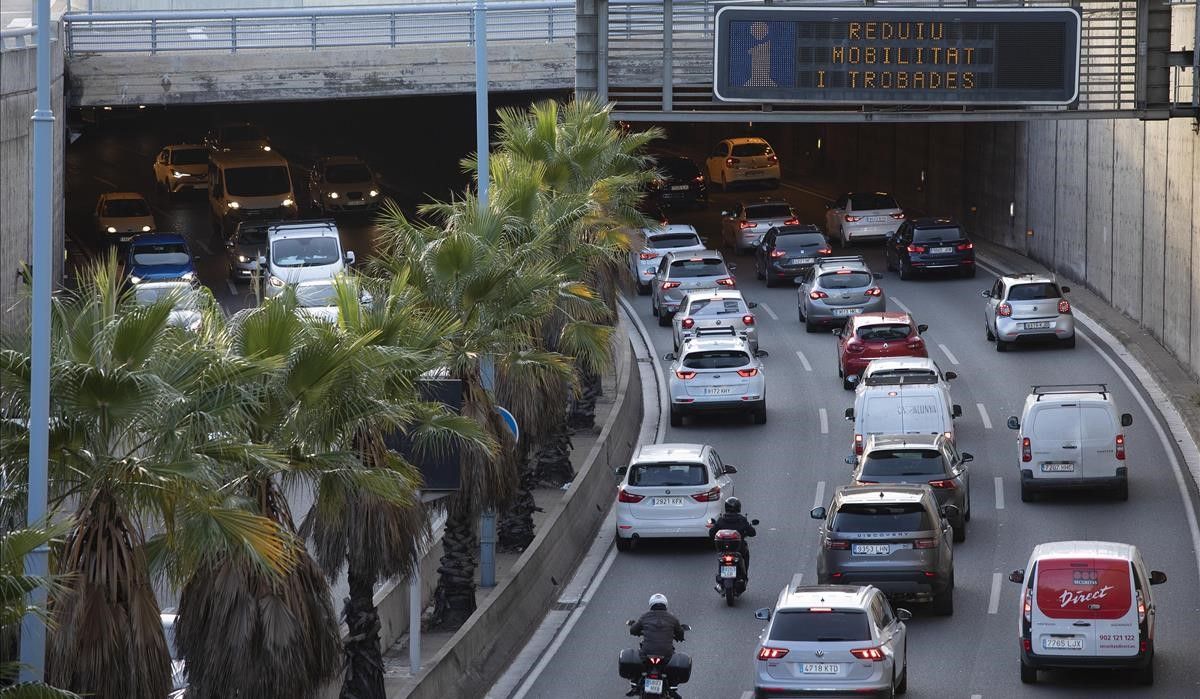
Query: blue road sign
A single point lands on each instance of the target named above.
(511, 422)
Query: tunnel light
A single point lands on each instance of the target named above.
(107, 108)
(1012, 209)
(141, 106)
(922, 177)
(818, 144)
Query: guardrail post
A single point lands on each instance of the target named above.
(314, 32)
(233, 35)
(392, 29)
(668, 10)
(550, 26)
(153, 36)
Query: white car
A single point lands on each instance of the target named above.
(715, 313)
(302, 251)
(644, 253)
(901, 370)
(671, 491)
(178, 666)
(742, 160)
(343, 183)
(717, 374)
(317, 298)
(121, 215)
(186, 297)
(862, 216)
(182, 166)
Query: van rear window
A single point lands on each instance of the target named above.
(1056, 423)
(1084, 588)
(820, 627)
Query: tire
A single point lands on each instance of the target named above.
(653, 309)
(1145, 676)
(624, 544)
(943, 604)
(730, 596)
(1001, 345)
(809, 326)
(988, 332)
(1028, 674)
(968, 272)
(664, 320)
(887, 263)
(960, 532)
(676, 418)
(759, 274)
(902, 685)
(889, 693)
(643, 289)
(967, 516)
(847, 384)
(1121, 492)
(905, 271)
(769, 282)
(1069, 343)
(724, 183)
(1027, 494)
(760, 416)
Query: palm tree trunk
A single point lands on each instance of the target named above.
(583, 406)
(515, 528)
(554, 457)
(454, 598)
(364, 657)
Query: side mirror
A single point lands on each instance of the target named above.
(922, 328)
(1065, 289)
(1013, 423)
(950, 375)
(1017, 576)
(761, 353)
(1126, 419)
(752, 304)
(670, 356)
(849, 413)
(763, 614)
(852, 379)
(621, 471)
(1157, 577)
(732, 266)
(686, 627)
(754, 522)
(835, 331)
(229, 244)
(877, 275)
(262, 260)
(950, 511)
(349, 257)
(817, 513)
(729, 469)
(726, 213)
(903, 614)
(985, 293)
(630, 622)
(967, 457)
(828, 205)
(851, 461)
(956, 410)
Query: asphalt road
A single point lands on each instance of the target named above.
(795, 461)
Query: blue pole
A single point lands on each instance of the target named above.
(33, 630)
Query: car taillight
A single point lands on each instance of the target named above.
(647, 255)
(852, 219)
(917, 248)
(963, 247)
(726, 281)
(1141, 605)
(899, 216)
(669, 285)
(767, 653)
(792, 222)
(747, 319)
(772, 158)
(855, 347)
(916, 343)
(1027, 606)
(1064, 306)
(776, 254)
(945, 484)
(747, 224)
(836, 545)
(1121, 447)
(626, 496)
(685, 374)
(1026, 450)
(814, 295)
(747, 373)
(873, 654)
(858, 444)
(825, 251)
(732, 161)
(925, 543)
(688, 323)
(711, 495)
(874, 291)
(1004, 310)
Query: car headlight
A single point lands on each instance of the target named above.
(188, 276)
(111, 229)
(145, 229)
(267, 148)
(194, 326)
(243, 258)
(288, 202)
(135, 279)
(374, 192)
(177, 174)
(332, 195)
(275, 282)
(233, 205)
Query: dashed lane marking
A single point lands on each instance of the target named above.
(803, 361)
(900, 303)
(824, 420)
(949, 355)
(983, 416)
(994, 598)
(747, 694)
(101, 180)
(767, 308)
(819, 495)
(999, 493)
(232, 289)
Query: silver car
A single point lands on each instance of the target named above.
(823, 639)
(713, 374)
(715, 313)
(1027, 308)
(891, 536)
(681, 272)
(245, 246)
(338, 184)
(836, 288)
(743, 226)
(863, 215)
(919, 458)
(648, 247)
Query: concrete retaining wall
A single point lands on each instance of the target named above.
(476, 655)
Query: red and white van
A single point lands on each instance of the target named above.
(1086, 604)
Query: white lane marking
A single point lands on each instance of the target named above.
(747, 694)
(904, 308)
(803, 361)
(232, 289)
(976, 696)
(796, 580)
(806, 190)
(767, 308)
(999, 493)
(824, 420)
(983, 416)
(819, 495)
(949, 355)
(101, 180)
(994, 599)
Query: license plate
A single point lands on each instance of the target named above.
(358, 202)
(652, 686)
(1063, 643)
(1042, 325)
(871, 549)
(801, 261)
(941, 251)
(753, 173)
(126, 239)
(876, 219)
(680, 187)
(820, 668)
(669, 502)
(1058, 467)
(846, 311)
(728, 571)
(718, 390)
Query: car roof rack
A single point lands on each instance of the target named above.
(1040, 390)
(902, 377)
(841, 259)
(717, 331)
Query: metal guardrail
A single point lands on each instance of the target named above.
(17, 38)
(231, 31)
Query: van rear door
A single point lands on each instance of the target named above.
(922, 413)
(1054, 439)
(1098, 447)
(1084, 607)
(882, 414)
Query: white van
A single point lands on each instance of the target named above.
(249, 185)
(901, 403)
(302, 251)
(1086, 604)
(1070, 436)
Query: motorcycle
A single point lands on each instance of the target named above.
(655, 677)
(732, 575)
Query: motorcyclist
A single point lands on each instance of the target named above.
(659, 630)
(735, 520)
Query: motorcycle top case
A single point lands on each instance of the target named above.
(630, 664)
(728, 540)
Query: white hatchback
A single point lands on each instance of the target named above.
(862, 215)
(717, 374)
(670, 491)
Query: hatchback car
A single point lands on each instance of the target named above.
(742, 160)
(238, 136)
(743, 226)
(930, 245)
(891, 536)
(681, 272)
(785, 252)
(835, 289)
(245, 246)
(712, 374)
(649, 245)
(715, 314)
(121, 215)
(681, 184)
(825, 639)
(1027, 307)
(901, 370)
(862, 216)
(343, 183)
(180, 167)
(670, 491)
(919, 458)
(873, 335)
(187, 301)
(155, 257)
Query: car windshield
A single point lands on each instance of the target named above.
(1034, 292)
(795, 241)
(698, 267)
(305, 252)
(745, 150)
(936, 235)
(160, 254)
(716, 307)
(678, 168)
(820, 627)
(889, 332)
(759, 211)
(348, 173)
(866, 201)
(316, 295)
(258, 181)
(235, 134)
(126, 208)
(716, 359)
(844, 279)
(189, 156)
(184, 295)
(882, 517)
(904, 462)
(252, 235)
(667, 474)
(667, 241)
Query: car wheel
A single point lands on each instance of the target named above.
(1121, 492)
(1028, 673)
(1027, 492)
(664, 318)
(1001, 345)
(760, 416)
(643, 289)
(624, 544)
(676, 418)
(724, 183)
(1069, 343)
(759, 274)
(847, 383)
(943, 604)
(960, 531)
(902, 685)
(810, 326)
(905, 271)
(967, 516)
(889, 693)
(887, 263)
(1145, 676)
(968, 272)
(988, 331)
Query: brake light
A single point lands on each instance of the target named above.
(1141, 605)
(1027, 606)
(647, 255)
(747, 319)
(963, 247)
(654, 659)
(726, 281)
(925, 543)
(747, 373)
(626, 496)
(685, 374)
(858, 444)
(855, 347)
(917, 248)
(852, 219)
(747, 224)
(669, 285)
(768, 653)
(945, 484)
(1064, 306)
(874, 291)
(711, 495)
(688, 323)
(1004, 310)
(835, 545)
(732, 161)
(776, 254)
(825, 251)
(1026, 450)
(872, 654)
(1121, 447)
(727, 559)
(915, 343)
(814, 295)
(772, 158)
(899, 216)
(792, 222)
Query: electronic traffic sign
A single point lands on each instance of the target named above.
(936, 56)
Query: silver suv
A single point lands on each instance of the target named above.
(891, 536)
(1027, 307)
(834, 289)
(681, 272)
(717, 374)
(822, 638)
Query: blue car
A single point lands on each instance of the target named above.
(157, 257)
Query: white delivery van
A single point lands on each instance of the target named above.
(302, 251)
(1086, 604)
(249, 186)
(902, 404)
(1069, 437)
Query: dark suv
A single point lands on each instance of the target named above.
(681, 184)
(928, 245)
(786, 251)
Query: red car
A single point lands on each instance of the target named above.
(874, 335)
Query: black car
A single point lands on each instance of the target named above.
(681, 184)
(929, 245)
(786, 251)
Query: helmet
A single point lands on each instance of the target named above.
(733, 506)
(658, 600)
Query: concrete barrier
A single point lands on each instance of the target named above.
(476, 655)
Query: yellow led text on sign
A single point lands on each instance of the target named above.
(898, 56)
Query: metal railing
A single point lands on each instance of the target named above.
(17, 38)
(231, 31)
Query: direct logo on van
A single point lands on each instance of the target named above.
(1069, 598)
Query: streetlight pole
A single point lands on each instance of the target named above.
(33, 631)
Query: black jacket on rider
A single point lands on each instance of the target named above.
(659, 630)
(741, 525)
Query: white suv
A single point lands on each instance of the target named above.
(670, 491)
(1069, 437)
(713, 374)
